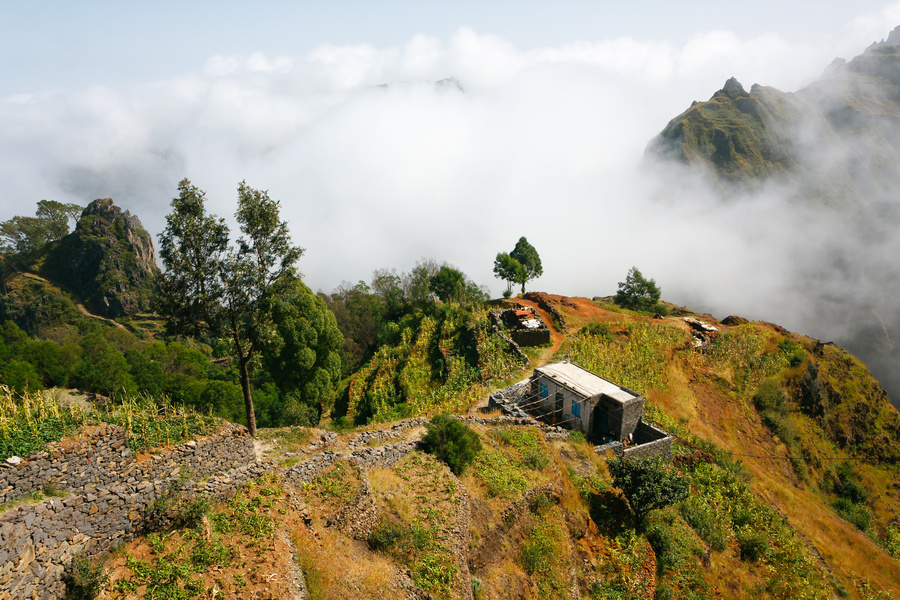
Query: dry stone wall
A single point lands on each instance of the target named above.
(379, 435)
(38, 541)
(96, 458)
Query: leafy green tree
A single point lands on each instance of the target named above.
(208, 286)
(528, 260)
(303, 355)
(509, 270)
(637, 292)
(647, 484)
(452, 441)
(21, 235)
(448, 284)
(54, 363)
(102, 368)
(147, 373)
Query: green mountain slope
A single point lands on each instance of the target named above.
(836, 140)
(789, 447)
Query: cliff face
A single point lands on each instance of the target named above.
(108, 261)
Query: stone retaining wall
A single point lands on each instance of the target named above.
(377, 456)
(38, 541)
(359, 518)
(396, 430)
(97, 457)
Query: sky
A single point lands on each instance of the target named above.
(335, 109)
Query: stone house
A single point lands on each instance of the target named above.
(566, 394)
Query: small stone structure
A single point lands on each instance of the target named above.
(566, 395)
(523, 324)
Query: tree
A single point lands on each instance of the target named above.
(20, 235)
(303, 355)
(525, 254)
(208, 286)
(448, 284)
(509, 270)
(647, 484)
(452, 441)
(637, 292)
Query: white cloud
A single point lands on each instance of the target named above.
(544, 142)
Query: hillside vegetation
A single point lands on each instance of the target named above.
(788, 445)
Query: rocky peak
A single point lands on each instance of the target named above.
(734, 89)
(108, 261)
(108, 214)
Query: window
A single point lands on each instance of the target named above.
(576, 408)
(544, 391)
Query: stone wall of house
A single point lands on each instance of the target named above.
(37, 541)
(632, 411)
(650, 442)
(531, 337)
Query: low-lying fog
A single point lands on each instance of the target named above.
(452, 149)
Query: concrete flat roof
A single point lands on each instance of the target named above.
(583, 381)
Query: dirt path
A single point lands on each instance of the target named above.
(78, 305)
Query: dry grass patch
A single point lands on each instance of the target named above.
(337, 567)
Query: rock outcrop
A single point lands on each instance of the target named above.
(108, 261)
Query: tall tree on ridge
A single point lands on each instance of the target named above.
(530, 261)
(208, 286)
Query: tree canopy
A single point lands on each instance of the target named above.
(210, 286)
(21, 235)
(647, 484)
(303, 355)
(637, 292)
(509, 270)
(519, 266)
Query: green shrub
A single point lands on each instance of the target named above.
(452, 441)
(857, 514)
(399, 539)
(598, 329)
(83, 579)
(846, 485)
(648, 484)
(754, 544)
(544, 556)
(793, 351)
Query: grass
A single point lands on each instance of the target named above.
(205, 554)
(30, 420)
(287, 439)
(418, 499)
(512, 461)
(545, 554)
